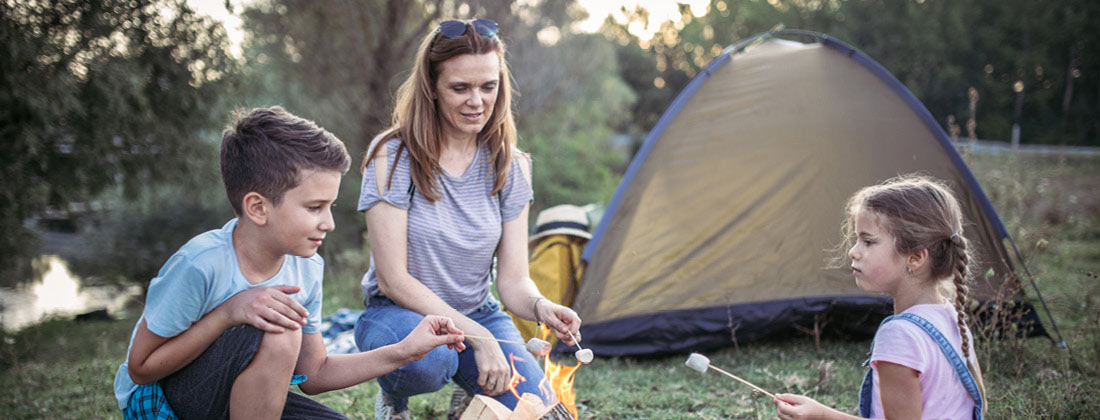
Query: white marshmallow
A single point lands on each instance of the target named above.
(538, 347)
(698, 362)
(583, 356)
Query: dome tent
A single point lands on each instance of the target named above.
(720, 229)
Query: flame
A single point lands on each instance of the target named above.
(516, 377)
(559, 379)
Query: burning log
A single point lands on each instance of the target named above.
(529, 407)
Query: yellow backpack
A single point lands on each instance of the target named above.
(556, 269)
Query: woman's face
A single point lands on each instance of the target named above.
(466, 91)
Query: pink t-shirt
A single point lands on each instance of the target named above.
(904, 343)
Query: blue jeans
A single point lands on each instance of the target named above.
(385, 323)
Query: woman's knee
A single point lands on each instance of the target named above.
(426, 375)
(384, 326)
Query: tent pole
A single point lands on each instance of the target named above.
(1031, 279)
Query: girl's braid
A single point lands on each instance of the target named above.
(958, 244)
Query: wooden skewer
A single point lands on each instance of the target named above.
(495, 339)
(744, 381)
(575, 341)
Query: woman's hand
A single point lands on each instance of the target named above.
(560, 319)
(792, 407)
(493, 370)
(433, 331)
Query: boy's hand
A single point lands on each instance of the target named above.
(562, 320)
(433, 331)
(793, 407)
(267, 308)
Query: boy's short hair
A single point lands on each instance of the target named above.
(266, 149)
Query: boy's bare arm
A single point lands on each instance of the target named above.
(328, 372)
(153, 357)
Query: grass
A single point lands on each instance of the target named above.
(1049, 203)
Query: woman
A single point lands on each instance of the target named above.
(444, 190)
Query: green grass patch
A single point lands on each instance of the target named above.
(1050, 204)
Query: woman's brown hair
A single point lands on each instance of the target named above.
(416, 121)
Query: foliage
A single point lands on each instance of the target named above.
(568, 122)
(937, 48)
(98, 94)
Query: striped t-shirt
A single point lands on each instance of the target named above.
(451, 242)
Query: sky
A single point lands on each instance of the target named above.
(659, 10)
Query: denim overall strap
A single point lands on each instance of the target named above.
(868, 379)
(957, 362)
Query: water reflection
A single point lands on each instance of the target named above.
(57, 291)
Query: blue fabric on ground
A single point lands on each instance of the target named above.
(338, 331)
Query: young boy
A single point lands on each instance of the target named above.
(235, 313)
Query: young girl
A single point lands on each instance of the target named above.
(908, 242)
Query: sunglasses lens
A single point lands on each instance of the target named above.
(452, 28)
(485, 27)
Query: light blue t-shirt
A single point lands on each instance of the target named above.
(203, 274)
(451, 242)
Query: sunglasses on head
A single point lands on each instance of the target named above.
(455, 28)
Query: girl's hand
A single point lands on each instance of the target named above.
(560, 319)
(433, 331)
(792, 407)
(493, 370)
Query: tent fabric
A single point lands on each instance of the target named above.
(736, 197)
(555, 266)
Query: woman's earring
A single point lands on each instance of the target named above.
(909, 270)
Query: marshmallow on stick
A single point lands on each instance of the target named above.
(538, 347)
(583, 355)
(700, 363)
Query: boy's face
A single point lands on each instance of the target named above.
(300, 221)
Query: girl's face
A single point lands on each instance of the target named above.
(876, 264)
(466, 92)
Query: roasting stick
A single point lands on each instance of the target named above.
(496, 339)
(744, 382)
(701, 363)
(534, 346)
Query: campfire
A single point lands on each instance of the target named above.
(558, 381)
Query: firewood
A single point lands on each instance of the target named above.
(529, 407)
(485, 408)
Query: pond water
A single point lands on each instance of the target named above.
(57, 292)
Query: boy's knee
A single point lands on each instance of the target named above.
(284, 346)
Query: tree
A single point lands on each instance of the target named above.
(100, 94)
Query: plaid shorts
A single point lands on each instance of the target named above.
(148, 403)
